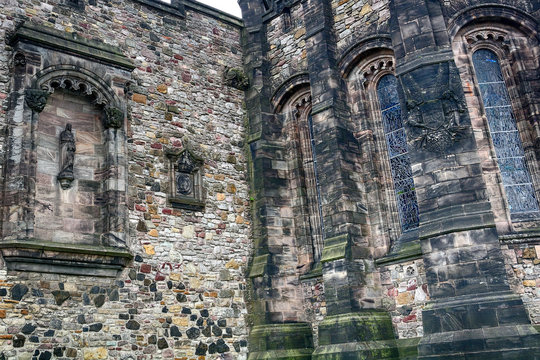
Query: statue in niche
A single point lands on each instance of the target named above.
(67, 157)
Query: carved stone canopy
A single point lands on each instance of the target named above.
(376, 66)
(487, 35)
(76, 85)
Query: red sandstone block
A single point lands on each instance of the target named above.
(409, 318)
(167, 211)
(146, 268)
(140, 208)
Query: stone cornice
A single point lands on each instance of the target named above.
(71, 43)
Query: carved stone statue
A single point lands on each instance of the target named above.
(67, 157)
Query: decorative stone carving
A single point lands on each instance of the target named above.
(494, 36)
(236, 78)
(19, 60)
(76, 85)
(187, 192)
(36, 99)
(113, 118)
(375, 67)
(67, 158)
(429, 129)
(436, 138)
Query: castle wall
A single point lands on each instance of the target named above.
(182, 295)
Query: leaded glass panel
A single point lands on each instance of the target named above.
(504, 134)
(396, 143)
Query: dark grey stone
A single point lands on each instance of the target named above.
(193, 333)
(18, 291)
(27, 329)
(133, 325)
(60, 296)
(201, 349)
(175, 332)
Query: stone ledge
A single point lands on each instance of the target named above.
(291, 341)
(335, 248)
(186, 203)
(259, 265)
(404, 252)
(71, 43)
(530, 237)
(70, 259)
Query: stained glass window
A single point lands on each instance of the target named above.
(396, 142)
(504, 134)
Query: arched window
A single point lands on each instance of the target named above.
(309, 178)
(396, 143)
(505, 136)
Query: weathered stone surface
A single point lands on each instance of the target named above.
(61, 296)
(18, 291)
(193, 333)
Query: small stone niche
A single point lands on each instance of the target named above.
(185, 170)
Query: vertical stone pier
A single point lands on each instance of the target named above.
(277, 329)
(472, 314)
(355, 326)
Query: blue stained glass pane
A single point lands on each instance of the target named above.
(504, 134)
(487, 67)
(387, 92)
(501, 119)
(494, 94)
(507, 144)
(408, 210)
(401, 168)
(403, 186)
(397, 143)
(521, 198)
(514, 171)
(392, 119)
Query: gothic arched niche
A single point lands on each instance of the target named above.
(65, 190)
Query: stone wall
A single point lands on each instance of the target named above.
(523, 268)
(287, 52)
(182, 297)
(355, 20)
